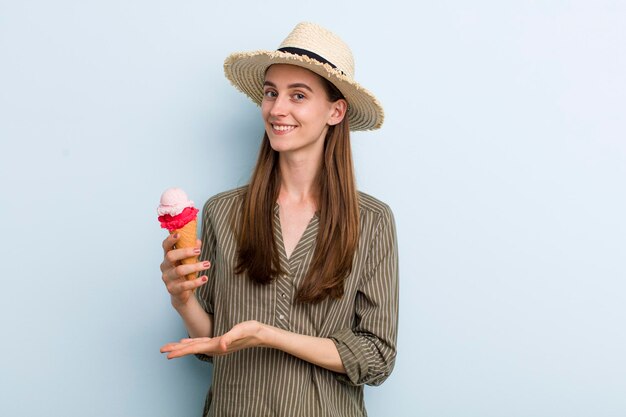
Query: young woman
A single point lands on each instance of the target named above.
(299, 305)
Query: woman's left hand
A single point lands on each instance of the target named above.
(244, 335)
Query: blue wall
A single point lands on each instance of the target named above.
(503, 156)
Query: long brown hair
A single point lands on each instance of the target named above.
(337, 201)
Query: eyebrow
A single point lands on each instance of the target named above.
(294, 85)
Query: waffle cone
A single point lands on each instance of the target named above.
(187, 239)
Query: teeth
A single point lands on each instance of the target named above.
(282, 128)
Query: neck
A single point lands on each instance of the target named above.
(298, 178)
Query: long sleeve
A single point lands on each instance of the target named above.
(205, 294)
(368, 349)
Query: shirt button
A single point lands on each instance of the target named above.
(283, 295)
(281, 316)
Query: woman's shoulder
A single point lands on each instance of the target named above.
(225, 200)
(370, 205)
(376, 221)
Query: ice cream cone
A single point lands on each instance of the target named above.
(187, 239)
(178, 215)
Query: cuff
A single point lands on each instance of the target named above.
(204, 358)
(352, 356)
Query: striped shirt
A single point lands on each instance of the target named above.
(362, 324)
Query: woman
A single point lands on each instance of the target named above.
(299, 305)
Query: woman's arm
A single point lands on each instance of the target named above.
(197, 321)
(368, 348)
(316, 350)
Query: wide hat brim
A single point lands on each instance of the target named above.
(246, 71)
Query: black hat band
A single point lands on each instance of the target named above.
(312, 55)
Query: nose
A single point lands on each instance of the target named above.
(279, 106)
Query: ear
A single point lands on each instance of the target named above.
(338, 112)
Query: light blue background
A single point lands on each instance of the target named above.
(503, 157)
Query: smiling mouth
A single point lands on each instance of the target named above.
(283, 128)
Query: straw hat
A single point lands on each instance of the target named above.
(312, 47)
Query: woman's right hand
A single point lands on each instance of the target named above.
(174, 272)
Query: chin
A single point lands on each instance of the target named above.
(277, 146)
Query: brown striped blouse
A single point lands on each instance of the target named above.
(363, 323)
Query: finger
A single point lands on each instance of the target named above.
(231, 339)
(190, 285)
(181, 271)
(203, 345)
(243, 335)
(186, 269)
(171, 347)
(169, 242)
(176, 255)
(177, 288)
(168, 347)
(180, 343)
(224, 343)
(178, 354)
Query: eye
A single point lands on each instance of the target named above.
(271, 94)
(298, 96)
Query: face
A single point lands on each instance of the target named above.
(296, 110)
